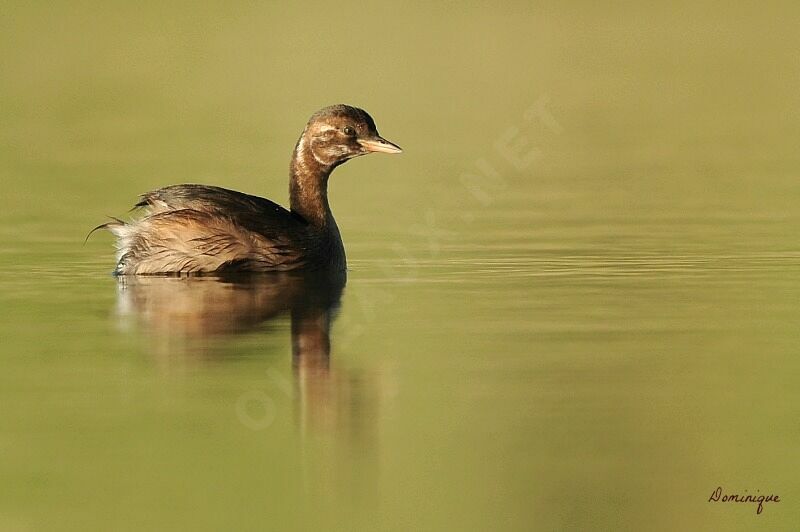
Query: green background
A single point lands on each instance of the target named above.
(592, 337)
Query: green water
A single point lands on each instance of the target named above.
(572, 303)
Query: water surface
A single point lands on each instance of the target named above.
(571, 304)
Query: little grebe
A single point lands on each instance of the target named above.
(192, 229)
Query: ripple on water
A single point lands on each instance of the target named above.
(468, 269)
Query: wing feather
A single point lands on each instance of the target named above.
(203, 229)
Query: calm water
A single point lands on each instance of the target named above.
(571, 304)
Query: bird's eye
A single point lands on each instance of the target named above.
(349, 131)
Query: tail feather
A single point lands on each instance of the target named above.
(113, 226)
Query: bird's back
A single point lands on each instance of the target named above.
(194, 229)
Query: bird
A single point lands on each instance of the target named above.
(193, 229)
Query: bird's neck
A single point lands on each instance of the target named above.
(308, 186)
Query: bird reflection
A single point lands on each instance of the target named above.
(194, 320)
(205, 309)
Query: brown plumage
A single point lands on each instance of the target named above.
(195, 229)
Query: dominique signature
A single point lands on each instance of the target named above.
(718, 496)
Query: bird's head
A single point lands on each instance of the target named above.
(338, 133)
